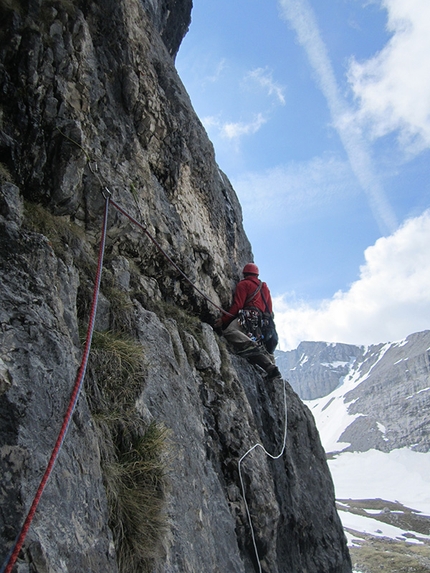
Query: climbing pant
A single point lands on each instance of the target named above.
(246, 347)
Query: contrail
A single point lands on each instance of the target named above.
(301, 17)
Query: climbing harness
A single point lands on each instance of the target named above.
(274, 457)
(250, 320)
(259, 325)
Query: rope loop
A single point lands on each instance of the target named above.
(274, 457)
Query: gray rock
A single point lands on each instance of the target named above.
(40, 359)
(11, 203)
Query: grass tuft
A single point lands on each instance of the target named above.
(116, 365)
(5, 174)
(135, 483)
(135, 456)
(121, 309)
(60, 231)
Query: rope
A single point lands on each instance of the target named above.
(241, 478)
(7, 567)
(148, 234)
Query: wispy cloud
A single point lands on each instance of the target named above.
(390, 300)
(301, 17)
(294, 192)
(217, 72)
(393, 87)
(234, 130)
(211, 121)
(264, 78)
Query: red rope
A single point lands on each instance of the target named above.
(133, 220)
(72, 403)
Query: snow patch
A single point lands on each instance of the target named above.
(416, 393)
(334, 365)
(401, 476)
(331, 413)
(376, 528)
(383, 430)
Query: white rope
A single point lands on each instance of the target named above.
(273, 458)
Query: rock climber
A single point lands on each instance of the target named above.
(251, 299)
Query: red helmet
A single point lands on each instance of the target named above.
(250, 269)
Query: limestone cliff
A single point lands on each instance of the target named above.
(90, 101)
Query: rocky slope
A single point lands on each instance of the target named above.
(90, 101)
(389, 389)
(314, 369)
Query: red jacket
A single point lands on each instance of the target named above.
(244, 289)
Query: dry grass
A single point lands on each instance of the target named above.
(116, 363)
(121, 309)
(135, 484)
(11, 5)
(60, 231)
(135, 456)
(376, 555)
(5, 174)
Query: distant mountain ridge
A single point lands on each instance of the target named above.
(374, 397)
(314, 369)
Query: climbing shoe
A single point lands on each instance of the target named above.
(273, 372)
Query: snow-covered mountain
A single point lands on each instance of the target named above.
(372, 409)
(365, 397)
(314, 369)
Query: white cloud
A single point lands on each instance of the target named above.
(263, 77)
(235, 130)
(228, 136)
(301, 17)
(390, 300)
(295, 191)
(393, 87)
(217, 73)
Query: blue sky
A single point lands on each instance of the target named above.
(319, 113)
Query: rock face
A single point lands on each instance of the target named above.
(171, 19)
(90, 102)
(390, 398)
